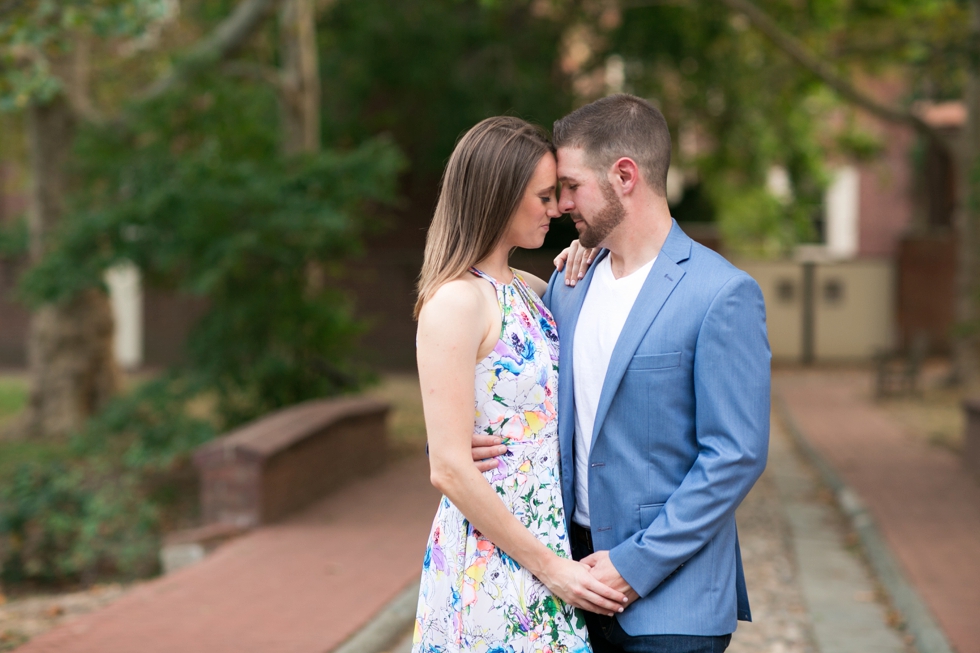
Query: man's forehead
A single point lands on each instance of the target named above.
(571, 162)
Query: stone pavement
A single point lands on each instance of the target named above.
(925, 504)
(301, 586)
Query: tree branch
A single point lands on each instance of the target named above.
(10, 6)
(221, 43)
(254, 71)
(799, 53)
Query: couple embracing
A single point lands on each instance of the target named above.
(621, 413)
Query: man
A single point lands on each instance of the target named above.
(663, 394)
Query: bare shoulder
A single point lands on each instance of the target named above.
(454, 299)
(535, 283)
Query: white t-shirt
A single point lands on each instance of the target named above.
(607, 305)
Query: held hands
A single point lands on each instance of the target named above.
(578, 260)
(572, 582)
(605, 572)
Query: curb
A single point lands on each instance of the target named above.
(919, 621)
(387, 626)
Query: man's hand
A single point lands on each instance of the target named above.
(573, 583)
(486, 448)
(605, 572)
(578, 260)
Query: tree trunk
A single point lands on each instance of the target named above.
(70, 357)
(966, 354)
(300, 89)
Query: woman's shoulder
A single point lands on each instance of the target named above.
(461, 295)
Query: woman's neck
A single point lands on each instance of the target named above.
(497, 264)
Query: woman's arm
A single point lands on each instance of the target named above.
(451, 327)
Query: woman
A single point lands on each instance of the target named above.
(498, 554)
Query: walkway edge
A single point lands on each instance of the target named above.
(383, 631)
(919, 621)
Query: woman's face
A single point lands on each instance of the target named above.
(529, 224)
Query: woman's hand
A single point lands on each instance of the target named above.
(573, 582)
(576, 260)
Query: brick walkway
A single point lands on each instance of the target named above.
(302, 586)
(924, 502)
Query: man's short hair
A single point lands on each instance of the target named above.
(620, 126)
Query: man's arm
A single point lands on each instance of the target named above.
(731, 386)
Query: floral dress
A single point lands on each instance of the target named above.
(473, 596)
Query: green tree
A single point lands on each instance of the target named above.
(46, 50)
(934, 46)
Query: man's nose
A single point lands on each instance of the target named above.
(565, 203)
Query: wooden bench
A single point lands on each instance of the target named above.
(284, 461)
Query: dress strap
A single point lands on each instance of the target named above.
(483, 275)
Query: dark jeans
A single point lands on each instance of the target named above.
(608, 637)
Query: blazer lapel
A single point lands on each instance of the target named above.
(660, 283)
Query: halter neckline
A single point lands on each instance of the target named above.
(480, 273)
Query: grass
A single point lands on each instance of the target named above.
(13, 396)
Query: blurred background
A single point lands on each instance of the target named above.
(214, 210)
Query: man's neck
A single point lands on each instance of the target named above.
(638, 244)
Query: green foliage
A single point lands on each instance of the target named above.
(223, 217)
(195, 193)
(756, 224)
(96, 508)
(13, 239)
(67, 522)
(33, 33)
(425, 71)
(737, 108)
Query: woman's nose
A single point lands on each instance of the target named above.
(553, 212)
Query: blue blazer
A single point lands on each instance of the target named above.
(681, 434)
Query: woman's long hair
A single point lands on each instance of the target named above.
(482, 186)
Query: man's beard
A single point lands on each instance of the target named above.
(607, 219)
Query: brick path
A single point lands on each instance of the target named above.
(923, 501)
(301, 586)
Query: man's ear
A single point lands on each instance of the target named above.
(625, 174)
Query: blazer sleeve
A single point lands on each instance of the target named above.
(731, 387)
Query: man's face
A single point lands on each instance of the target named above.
(588, 198)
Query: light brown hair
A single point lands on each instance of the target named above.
(617, 126)
(482, 186)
